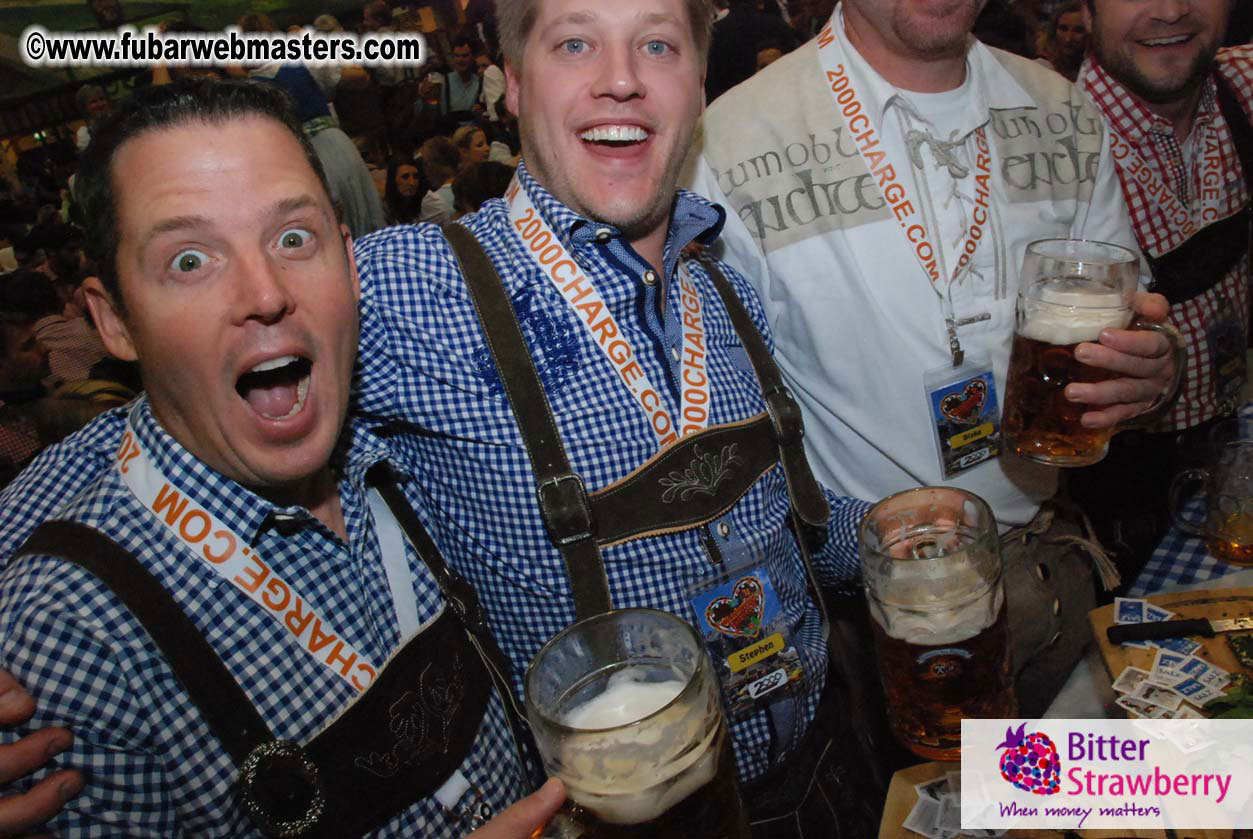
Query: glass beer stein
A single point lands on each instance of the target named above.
(625, 710)
(1228, 483)
(1071, 290)
(931, 559)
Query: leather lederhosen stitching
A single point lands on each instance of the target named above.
(723, 461)
(391, 747)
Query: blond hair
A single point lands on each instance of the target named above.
(516, 18)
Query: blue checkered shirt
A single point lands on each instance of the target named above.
(154, 766)
(424, 360)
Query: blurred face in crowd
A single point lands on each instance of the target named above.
(242, 314)
(482, 61)
(478, 150)
(372, 19)
(463, 60)
(25, 360)
(913, 29)
(407, 180)
(108, 12)
(97, 107)
(1160, 50)
(1071, 37)
(608, 96)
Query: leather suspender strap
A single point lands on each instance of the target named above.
(227, 710)
(787, 424)
(1241, 130)
(460, 595)
(563, 500)
(1205, 259)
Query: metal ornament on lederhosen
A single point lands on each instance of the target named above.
(395, 744)
(1207, 256)
(644, 503)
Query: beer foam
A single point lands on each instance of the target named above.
(633, 774)
(1067, 315)
(928, 619)
(641, 790)
(626, 698)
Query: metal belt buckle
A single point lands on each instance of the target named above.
(566, 509)
(280, 789)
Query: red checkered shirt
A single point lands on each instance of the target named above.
(1152, 138)
(19, 441)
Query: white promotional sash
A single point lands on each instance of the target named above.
(228, 555)
(887, 169)
(1184, 219)
(589, 307)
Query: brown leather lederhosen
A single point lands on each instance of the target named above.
(643, 503)
(719, 465)
(1125, 494)
(394, 745)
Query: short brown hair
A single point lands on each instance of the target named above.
(516, 18)
(189, 102)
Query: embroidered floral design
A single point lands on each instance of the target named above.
(552, 339)
(702, 475)
(421, 721)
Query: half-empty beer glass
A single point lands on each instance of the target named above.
(932, 565)
(1071, 290)
(1228, 485)
(624, 707)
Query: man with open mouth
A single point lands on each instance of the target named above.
(641, 362)
(239, 616)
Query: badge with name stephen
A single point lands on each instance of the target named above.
(743, 625)
(964, 414)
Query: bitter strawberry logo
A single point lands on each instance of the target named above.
(1029, 761)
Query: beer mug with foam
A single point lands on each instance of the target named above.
(625, 710)
(1228, 484)
(1071, 290)
(931, 560)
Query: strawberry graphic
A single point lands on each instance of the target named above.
(1029, 761)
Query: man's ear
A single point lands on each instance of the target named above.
(511, 88)
(109, 321)
(352, 262)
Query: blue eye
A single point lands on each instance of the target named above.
(295, 238)
(188, 261)
(574, 46)
(656, 47)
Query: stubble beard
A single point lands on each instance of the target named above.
(633, 225)
(938, 38)
(1173, 89)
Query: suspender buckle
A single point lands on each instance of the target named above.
(566, 509)
(786, 423)
(279, 786)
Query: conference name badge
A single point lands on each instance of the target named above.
(741, 621)
(964, 414)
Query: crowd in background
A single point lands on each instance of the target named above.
(400, 145)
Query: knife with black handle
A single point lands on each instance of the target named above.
(1153, 630)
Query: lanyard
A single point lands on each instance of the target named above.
(589, 307)
(209, 539)
(1180, 216)
(885, 167)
